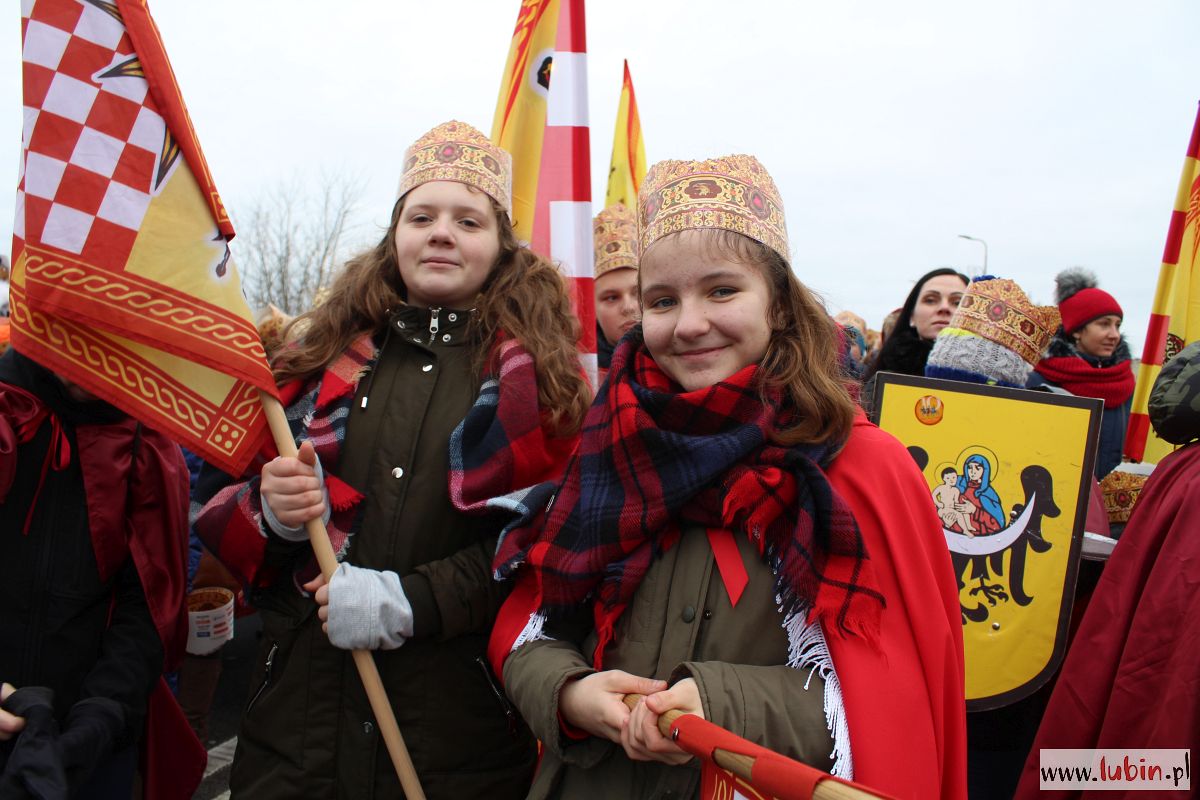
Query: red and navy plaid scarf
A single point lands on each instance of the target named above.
(496, 452)
(501, 453)
(653, 458)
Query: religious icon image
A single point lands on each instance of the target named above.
(1009, 474)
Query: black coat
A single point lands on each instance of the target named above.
(91, 641)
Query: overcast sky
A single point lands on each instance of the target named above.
(1053, 130)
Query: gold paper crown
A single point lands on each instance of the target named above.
(454, 151)
(998, 310)
(615, 237)
(1121, 491)
(732, 193)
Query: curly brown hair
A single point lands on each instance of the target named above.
(803, 357)
(524, 297)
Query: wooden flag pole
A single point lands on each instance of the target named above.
(376, 694)
(742, 765)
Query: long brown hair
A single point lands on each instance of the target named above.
(803, 356)
(524, 297)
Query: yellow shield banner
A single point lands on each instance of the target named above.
(1009, 472)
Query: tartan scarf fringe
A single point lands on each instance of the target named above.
(807, 649)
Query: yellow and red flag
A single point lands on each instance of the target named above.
(520, 120)
(122, 280)
(554, 160)
(1175, 316)
(628, 165)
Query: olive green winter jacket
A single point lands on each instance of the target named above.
(308, 729)
(679, 624)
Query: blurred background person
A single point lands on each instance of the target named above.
(1089, 357)
(979, 348)
(926, 310)
(854, 329)
(614, 236)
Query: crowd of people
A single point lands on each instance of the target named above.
(715, 527)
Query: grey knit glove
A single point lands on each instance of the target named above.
(368, 609)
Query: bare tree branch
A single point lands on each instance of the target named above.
(292, 241)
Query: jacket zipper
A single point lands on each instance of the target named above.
(266, 676)
(505, 704)
(433, 324)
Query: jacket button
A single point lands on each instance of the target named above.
(689, 614)
(398, 472)
(445, 337)
(707, 614)
(454, 317)
(368, 728)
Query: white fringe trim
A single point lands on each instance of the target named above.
(532, 631)
(807, 650)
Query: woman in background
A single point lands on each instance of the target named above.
(926, 310)
(1089, 357)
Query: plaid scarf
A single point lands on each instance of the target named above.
(652, 458)
(228, 516)
(497, 449)
(501, 456)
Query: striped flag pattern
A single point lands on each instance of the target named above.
(543, 123)
(628, 165)
(1175, 316)
(562, 220)
(520, 118)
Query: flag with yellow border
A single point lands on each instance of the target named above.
(520, 120)
(122, 280)
(1175, 314)
(628, 165)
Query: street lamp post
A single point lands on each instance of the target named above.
(982, 242)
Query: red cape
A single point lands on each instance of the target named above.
(1131, 678)
(905, 701)
(904, 694)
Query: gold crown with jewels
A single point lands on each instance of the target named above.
(455, 151)
(732, 193)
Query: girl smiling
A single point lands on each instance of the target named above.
(733, 539)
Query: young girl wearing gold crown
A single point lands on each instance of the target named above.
(733, 538)
(439, 372)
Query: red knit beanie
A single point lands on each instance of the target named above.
(1086, 305)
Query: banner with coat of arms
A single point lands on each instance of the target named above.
(1010, 473)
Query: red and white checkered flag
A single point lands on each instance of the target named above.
(121, 278)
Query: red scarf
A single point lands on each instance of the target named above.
(1113, 384)
(651, 458)
(496, 452)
